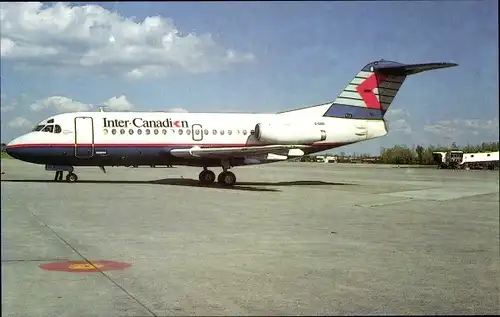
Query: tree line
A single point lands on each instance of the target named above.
(401, 154)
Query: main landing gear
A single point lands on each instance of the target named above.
(225, 178)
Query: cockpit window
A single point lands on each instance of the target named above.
(38, 127)
(50, 121)
(57, 128)
(49, 128)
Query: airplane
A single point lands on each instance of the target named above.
(225, 140)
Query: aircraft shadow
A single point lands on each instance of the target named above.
(243, 186)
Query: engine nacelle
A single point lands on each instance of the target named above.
(282, 133)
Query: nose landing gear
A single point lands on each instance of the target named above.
(70, 178)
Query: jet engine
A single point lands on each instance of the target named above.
(282, 133)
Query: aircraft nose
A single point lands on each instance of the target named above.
(13, 148)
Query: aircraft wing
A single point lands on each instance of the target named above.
(226, 152)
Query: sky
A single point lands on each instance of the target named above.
(252, 57)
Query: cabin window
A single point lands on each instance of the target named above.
(105, 131)
(238, 131)
(48, 128)
(122, 131)
(57, 129)
(221, 132)
(244, 132)
(206, 132)
(197, 132)
(229, 132)
(148, 131)
(113, 131)
(188, 132)
(139, 131)
(214, 132)
(172, 130)
(156, 131)
(487, 155)
(164, 131)
(472, 155)
(180, 131)
(130, 131)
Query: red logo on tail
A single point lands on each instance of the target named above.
(365, 90)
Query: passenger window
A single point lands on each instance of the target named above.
(238, 131)
(156, 131)
(148, 131)
(57, 129)
(221, 132)
(229, 132)
(197, 132)
(105, 131)
(122, 131)
(48, 128)
(164, 131)
(206, 132)
(180, 131)
(130, 131)
(139, 131)
(113, 131)
(172, 130)
(188, 132)
(214, 132)
(244, 132)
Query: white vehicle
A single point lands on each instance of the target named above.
(216, 139)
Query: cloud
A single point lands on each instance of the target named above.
(20, 122)
(397, 120)
(61, 104)
(6, 108)
(118, 104)
(91, 37)
(177, 110)
(458, 127)
(6, 105)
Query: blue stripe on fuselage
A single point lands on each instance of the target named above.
(104, 155)
(353, 112)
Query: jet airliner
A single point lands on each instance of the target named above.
(225, 140)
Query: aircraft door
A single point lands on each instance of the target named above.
(84, 137)
(197, 132)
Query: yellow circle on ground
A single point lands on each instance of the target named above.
(85, 266)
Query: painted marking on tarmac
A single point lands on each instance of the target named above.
(386, 203)
(84, 266)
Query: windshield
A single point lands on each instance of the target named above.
(38, 127)
(51, 128)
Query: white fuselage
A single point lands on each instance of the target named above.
(146, 137)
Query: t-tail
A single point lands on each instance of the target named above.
(370, 94)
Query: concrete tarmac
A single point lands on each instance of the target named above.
(289, 239)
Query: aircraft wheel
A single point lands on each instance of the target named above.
(71, 178)
(227, 178)
(207, 177)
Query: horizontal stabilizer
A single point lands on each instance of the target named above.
(398, 69)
